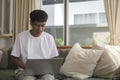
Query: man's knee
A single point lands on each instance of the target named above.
(47, 77)
(29, 78)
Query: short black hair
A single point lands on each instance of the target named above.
(38, 15)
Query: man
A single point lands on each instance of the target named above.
(34, 44)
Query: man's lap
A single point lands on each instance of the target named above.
(21, 76)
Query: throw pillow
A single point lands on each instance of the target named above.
(4, 60)
(0, 56)
(109, 63)
(11, 65)
(80, 63)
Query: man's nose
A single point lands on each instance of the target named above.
(40, 28)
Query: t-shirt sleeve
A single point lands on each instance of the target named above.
(16, 48)
(54, 51)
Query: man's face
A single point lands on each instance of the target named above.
(38, 27)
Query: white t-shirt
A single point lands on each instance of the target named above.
(29, 47)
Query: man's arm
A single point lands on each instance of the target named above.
(18, 62)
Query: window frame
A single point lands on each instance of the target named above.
(2, 19)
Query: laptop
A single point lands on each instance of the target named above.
(43, 66)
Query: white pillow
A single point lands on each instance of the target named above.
(109, 64)
(0, 56)
(80, 63)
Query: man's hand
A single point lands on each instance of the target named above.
(18, 62)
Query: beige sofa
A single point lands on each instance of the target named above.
(6, 72)
(7, 68)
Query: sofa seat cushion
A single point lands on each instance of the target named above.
(7, 74)
(88, 79)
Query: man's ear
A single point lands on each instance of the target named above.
(31, 22)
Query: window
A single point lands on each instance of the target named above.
(102, 18)
(0, 13)
(5, 9)
(85, 19)
(54, 26)
(102, 36)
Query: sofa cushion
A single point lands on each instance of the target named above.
(0, 55)
(63, 52)
(11, 65)
(88, 79)
(7, 74)
(80, 63)
(109, 63)
(4, 60)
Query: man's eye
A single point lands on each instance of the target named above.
(43, 26)
(36, 25)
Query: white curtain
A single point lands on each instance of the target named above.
(112, 9)
(21, 11)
